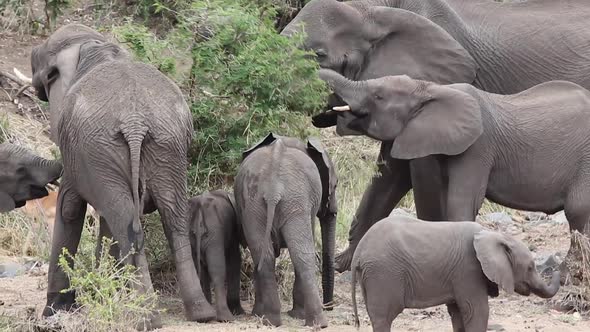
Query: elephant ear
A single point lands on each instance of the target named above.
(493, 250)
(327, 174)
(6, 203)
(63, 66)
(413, 45)
(269, 139)
(447, 122)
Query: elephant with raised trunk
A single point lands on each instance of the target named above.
(123, 129)
(495, 46)
(528, 151)
(281, 186)
(403, 262)
(24, 176)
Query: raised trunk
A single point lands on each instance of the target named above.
(352, 92)
(539, 288)
(328, 228)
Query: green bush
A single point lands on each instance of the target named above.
(244, 81)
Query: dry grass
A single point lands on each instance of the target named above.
(577, 291)
(21, 235)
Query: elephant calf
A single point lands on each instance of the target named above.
(23, 176)
(282, 184)
(403, 262)
(214, 232)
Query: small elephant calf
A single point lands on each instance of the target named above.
(403, 262)
(215, 241)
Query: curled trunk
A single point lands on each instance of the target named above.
(539, 288)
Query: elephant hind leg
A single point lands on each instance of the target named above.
(267, 303)
(234, 265)
(298, 310)
(384, 300)
(299, 238)
(217, 272)
(67, 230)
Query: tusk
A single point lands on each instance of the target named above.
(22, 76)
(341, 108)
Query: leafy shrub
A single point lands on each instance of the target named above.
(244, 81)
(107, 291)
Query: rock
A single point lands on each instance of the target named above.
(499, 217)
(546, 263)
(401, 212)
(535, 217)
(10, 270)
(496, 327)
(559, 218)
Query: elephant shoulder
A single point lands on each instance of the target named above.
(562, 93)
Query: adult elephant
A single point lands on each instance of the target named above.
(123, 129)
(498, 47)
(24, 176)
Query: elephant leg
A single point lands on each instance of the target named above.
(258, 309)
(206, 283)
(475, 313)
(234, 265)
(383, 300)
(298, 235)
(298, 310)
(69, 221)
(456, 317)
(104, 231)
(170, 199)
(217, 272)
(467, 189)
(387, 188)
(154, 321)
(577, 213)
(267, 293)
(430, 188)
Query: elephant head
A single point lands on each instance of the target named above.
(363, 41)
(23, 176)
(328, 207)
(421, 118)
(508, 263)
(62, 59)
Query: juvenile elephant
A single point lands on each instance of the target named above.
(123, 129)
(403, 262)
(215, 240)
(495, 46)
(23, 176)
(528, 151)
(282, 184)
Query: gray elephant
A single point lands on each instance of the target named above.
(282, 184)
(24, 176)
(123, 130)
(527, 151)
(495, 46)
(403, 262)
(215, 239)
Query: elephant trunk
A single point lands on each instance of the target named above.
(352, 92)
(328, 228)
(539, 288)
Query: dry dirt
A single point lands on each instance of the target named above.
(25, 295)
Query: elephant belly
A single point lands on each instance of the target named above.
(532, 192)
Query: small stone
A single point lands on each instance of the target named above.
(401, 212)
(576, 315)
(496, 327)
(559, 218)
(499, 217)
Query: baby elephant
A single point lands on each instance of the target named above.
(403, 262)
(215, 241)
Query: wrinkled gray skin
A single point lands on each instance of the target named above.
(215, 240)
(123, 130)
(281, 186)
(403, 262)
(23, 176)
(495, 46)
(528, 151)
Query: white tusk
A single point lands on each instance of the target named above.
(341, 108)
(22, 76)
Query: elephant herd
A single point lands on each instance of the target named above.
(471, 99)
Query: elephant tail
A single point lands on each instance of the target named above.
(198, 217)
(134, 134)
(355, 270)
(265, 245)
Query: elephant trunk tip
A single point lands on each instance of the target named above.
(547, 292)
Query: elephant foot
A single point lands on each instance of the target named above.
(152, 322)
(298, 313)
(343, 260)
(318, 320)
(236, 309)
(224, 315)
(201, 312)
(257, 310)
(272, 320)
(59, 302)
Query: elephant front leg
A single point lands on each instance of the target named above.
(217, 272)
(467, 189)
(234, 264)
(456, 318)
(69, 221)
(385, 191)
(430, 188)
(153, 321)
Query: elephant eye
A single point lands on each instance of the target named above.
(320, 53)
(378, 97)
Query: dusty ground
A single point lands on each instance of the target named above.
(25, 295)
